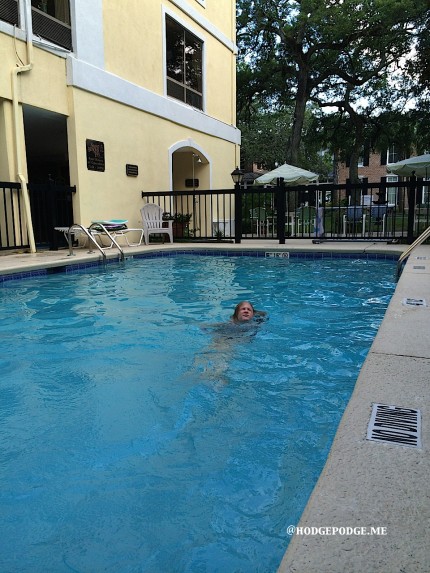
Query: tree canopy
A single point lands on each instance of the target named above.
(356, 58)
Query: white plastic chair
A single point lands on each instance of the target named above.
(152, 221)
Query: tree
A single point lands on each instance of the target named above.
(295, 51)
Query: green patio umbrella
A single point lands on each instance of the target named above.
(418, 166)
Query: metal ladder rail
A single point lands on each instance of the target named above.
(88, 234)
(114, 242)
(424, 235)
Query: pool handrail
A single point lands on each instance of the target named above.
(424, 235)
(88, 233)
(97, 225)
(76, 227)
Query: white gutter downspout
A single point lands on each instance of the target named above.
(17, 127)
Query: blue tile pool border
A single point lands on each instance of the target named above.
(77, 267)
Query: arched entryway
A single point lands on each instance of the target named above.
(190, 185)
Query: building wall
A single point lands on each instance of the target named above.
(374, 171)
(112, 89)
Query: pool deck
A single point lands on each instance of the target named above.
(364, 483)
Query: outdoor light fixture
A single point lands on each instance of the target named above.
(237, 176)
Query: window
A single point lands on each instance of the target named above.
(9, 11)
(183, 64)
(392, 191)
(392, 155)
(58, 9)
(51, 21)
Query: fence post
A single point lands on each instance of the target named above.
(238, 213)
(412, 186)
(52, 198)
(282, 206)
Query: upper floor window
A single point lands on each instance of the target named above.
(58, 9)
(392, 155)
(9, 11)
(51, 20)
(184, 64)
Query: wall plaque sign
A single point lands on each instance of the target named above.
(191, 183)
(131, 170)
(95, 155)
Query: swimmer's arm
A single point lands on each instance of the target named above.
(212, 325)
(260, 314)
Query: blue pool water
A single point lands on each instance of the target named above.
(135, 437)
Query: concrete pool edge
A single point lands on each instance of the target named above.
(17, 263)
(365, 484)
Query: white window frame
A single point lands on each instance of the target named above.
(198, 34)
(392, 154)
(392, 192)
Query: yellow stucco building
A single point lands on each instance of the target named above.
(117, 97)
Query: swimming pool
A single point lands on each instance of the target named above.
(133, 438)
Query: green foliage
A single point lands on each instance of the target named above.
(351, 55)
(264, 139)
(183, 218)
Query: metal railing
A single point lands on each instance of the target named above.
(51, 206)
(392, 212)
(419, 241)
(382, 211)
(13, 230)
(94, 227)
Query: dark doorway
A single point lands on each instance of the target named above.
(46, 146)
(48, 173)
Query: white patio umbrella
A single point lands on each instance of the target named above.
(419, 166)
(291, 175)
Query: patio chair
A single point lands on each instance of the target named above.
(421, 217)
(378, 216)
(305, 220)
(152, 222)
(259, 218)
(352, 219)
(117, 228)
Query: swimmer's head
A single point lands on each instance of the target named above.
(244, 311)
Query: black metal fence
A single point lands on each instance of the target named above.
(382, 211)
(13, 231)
(51, 206)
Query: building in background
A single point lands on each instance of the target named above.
(117, 98)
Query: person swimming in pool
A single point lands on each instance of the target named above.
(244, 312)
(242, 327)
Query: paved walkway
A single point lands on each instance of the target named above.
(364, 483)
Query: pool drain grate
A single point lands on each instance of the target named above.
(395, 425)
